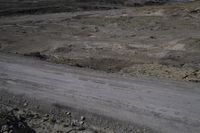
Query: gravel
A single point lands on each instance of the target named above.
(15, 120)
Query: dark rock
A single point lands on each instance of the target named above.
(82, 118)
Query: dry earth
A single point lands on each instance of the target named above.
(157, 41)
(23, 120)
(22, 114)
(160, 41)
(113, 102)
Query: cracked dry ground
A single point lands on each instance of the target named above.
(157, 41)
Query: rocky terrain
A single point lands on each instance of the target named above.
(139, 38)
(15, 120)
(20, 114)
(159, 41)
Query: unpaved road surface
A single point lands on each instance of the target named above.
(166, 106)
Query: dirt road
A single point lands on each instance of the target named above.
(166, 106)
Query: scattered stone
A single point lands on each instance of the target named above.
(53, 120)
(81, 128)
(197, 10)
(68, 113)
(25, 104)
(97, 29)
(65, 125)
(15, 109)
(152, 37)
(46, 115)
(4, 128)
(45, 119)
(82, 118)
(36, 116)
(22, 117)
(81, 122)
(74, 123)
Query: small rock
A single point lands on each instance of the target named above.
(53, 120)
(65, 125)
(46, 115)
(21, 117)
(36, 116)
(82, 118)
(81, 122)
(81, 128)
(197, 10)
(97, 29)
(74, 123)
(68, 113)
(15, 109)
(25, 104)
(45, 119)
(4, 128)
(152, 37)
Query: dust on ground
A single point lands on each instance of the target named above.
(160, 41)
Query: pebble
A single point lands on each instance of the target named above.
(73, 123)
(15, 109)
(25, 104)
(82, 118)
(4, 128)
(152, 37)
(45, 119)
(81, 122)
(53, 120)
(88, 131)
(68, 113)
(81, 128)
(46, 115)
(65, 125)
(36, 116)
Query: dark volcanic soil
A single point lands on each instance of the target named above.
(159, 41)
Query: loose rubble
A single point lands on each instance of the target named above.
(15, 120)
